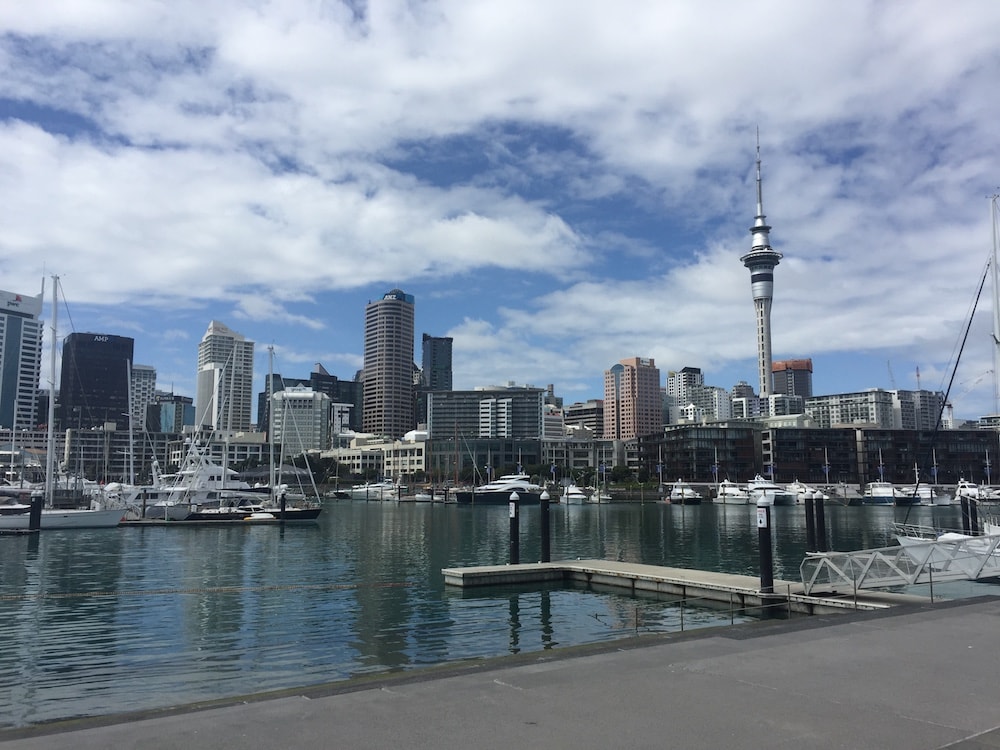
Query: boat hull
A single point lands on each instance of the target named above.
(496, 497)
(247, 514)
(65, 519)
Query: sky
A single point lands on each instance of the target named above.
(560, 185)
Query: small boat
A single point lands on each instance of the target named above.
(765, 492)
(730, 493)
(682, 493)
(499, 491)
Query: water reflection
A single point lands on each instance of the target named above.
(110, 620)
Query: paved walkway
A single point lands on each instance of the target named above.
(915, 677)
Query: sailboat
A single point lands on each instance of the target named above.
(17, 515)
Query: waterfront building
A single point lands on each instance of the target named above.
(820, 456)
(301, 420)
(94, 383)
(760, 261)
(374, 456)
(793, 377)
(21, 357)
(632, 402)
(491, 412)
(388, 367)
(224, 395)
(233, 448)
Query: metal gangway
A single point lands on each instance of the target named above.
(922, 556)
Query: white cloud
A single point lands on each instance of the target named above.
(261, 158)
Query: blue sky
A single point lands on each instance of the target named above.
(559, 185)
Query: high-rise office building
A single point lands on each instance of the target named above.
(436, 362)
(761, 261)
(143, 392)
(793, 377)
(94, 384)
(20, 360)
(633, 406)
(388, 369)
(224, 396)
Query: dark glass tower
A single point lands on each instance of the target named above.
(436, 362)
(94, 384)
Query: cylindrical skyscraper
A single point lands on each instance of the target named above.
(388, 374)
(761, 261)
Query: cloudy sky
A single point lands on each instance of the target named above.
(560, 184)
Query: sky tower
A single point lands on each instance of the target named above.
(761, 261)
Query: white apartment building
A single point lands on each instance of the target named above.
(300, 420)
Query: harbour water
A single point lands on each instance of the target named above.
(104, 621)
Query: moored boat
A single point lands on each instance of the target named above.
(879, 493)
(765, 492)
(499, 491)
(573, 495)
(730, 493)
(682, 493)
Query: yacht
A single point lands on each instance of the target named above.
(730, 493)
(879, 493)
(765, 492)
(384, 490)
(573, 495)
(498, 492)
(683, 493)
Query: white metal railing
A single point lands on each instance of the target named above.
(956, 557)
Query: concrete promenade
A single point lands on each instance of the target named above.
(912, 677)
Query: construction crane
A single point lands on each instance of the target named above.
(892, 378)
(968, 387)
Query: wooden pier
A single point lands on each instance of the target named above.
(743, 591)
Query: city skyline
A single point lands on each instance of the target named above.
(558, 185)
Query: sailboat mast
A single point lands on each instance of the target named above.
(995, 278)
(50, 443)
(270, 418)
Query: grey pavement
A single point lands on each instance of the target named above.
(914, 677)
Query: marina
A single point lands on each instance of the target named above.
(101, 621)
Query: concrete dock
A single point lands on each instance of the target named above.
(910, 677)
(737, 591)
